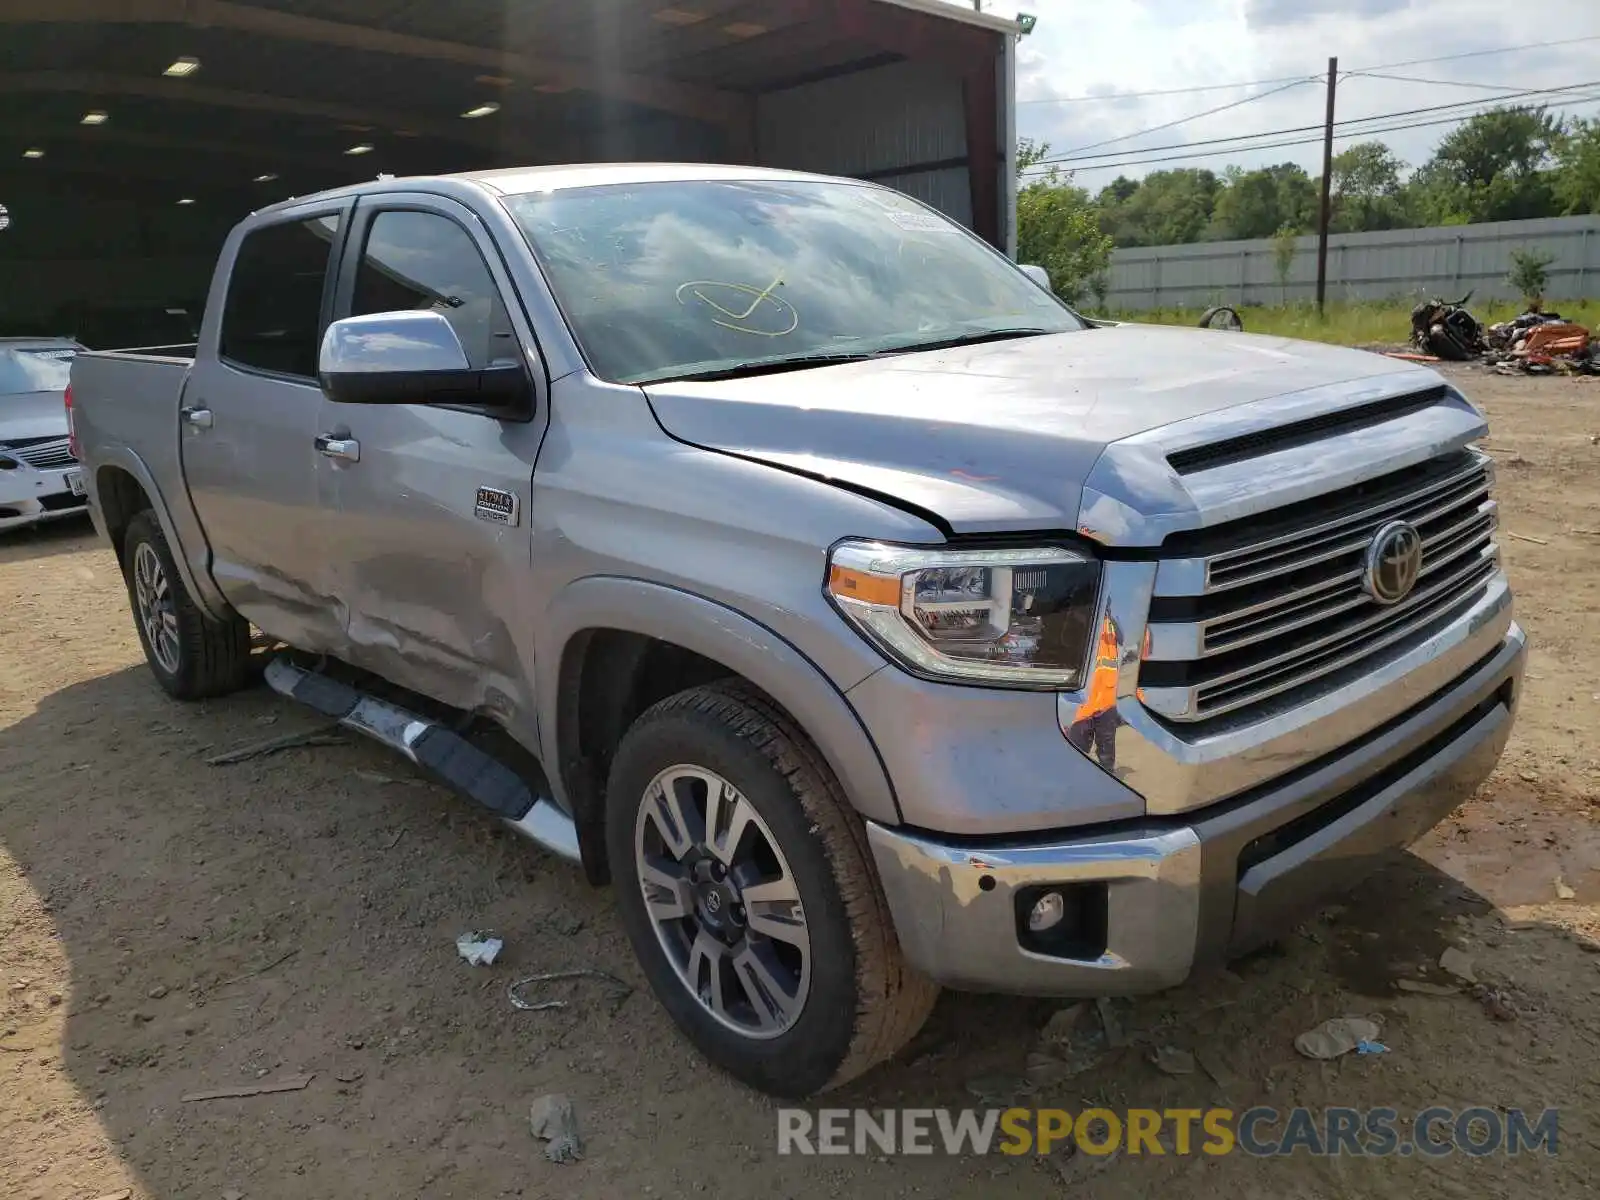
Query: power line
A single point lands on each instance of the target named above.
(1302, 141)
(1183, 91)
(1488, 87)
(1220, 87)
(1191, 117)
(1553, 93)
(1417, 62)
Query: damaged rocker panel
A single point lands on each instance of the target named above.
(445, 754)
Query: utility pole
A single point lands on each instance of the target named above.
(1326, 213)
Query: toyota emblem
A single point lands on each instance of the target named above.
(1394, 560)
(713, 903)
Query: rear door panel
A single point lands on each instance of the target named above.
(251, 467)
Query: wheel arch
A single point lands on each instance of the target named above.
(621, 644)
(122, 487)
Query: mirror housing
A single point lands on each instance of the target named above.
(411, 357)
(1036, 273)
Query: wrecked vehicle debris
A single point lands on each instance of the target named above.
(1445, 328)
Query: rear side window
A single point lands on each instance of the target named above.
(419, 260)
(274, 308)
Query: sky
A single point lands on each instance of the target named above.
(1081, 48)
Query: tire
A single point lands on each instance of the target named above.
(858, 1001)
(191, 656)
(1222, 317)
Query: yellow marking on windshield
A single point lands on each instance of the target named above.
(736, 320)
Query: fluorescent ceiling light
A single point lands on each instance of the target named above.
(33, 152)
(744, 29)
(363, 148)
(94, 117)
(183, 67)
(483, 110)
(266, 178)
(186, 200)
(677, 16)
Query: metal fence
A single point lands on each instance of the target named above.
(1402, 263)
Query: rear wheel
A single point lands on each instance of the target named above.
(191, 655)
(746, 889)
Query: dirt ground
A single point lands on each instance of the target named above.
(169, 927)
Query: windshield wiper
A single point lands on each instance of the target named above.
(967, 339)
(764, 366)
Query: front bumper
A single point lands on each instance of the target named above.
(1175, 893)
(29, 496)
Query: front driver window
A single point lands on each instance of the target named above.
(420, 260)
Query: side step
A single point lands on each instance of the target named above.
(447, 755)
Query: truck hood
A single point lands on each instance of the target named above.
(1001, 436)
(32, 415)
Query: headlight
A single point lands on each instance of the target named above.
(7, 463)
(1015, 618)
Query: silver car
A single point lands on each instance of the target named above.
(39, 475)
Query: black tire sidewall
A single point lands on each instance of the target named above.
(144, 529)
(803, 1059)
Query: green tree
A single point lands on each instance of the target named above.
(1366, 189)
(1058, 227)
(1494, 166)
(1165, 208)
(1529, 273)
(1577, 181)
(1256, 204)
(1283, 249)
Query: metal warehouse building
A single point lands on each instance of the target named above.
(134, 133)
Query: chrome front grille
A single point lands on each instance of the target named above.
(1244, 615)
(44, 454)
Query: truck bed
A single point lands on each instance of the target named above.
(125, 405)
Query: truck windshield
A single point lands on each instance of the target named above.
(668, 280)
(41, 370)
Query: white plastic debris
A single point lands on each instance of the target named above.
(1338, 1036)
(479, 949)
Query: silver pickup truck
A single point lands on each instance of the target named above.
(779, 551)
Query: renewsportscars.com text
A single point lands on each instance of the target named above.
(1260, 1132)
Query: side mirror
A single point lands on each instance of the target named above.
(1036, 273)
(410, 358)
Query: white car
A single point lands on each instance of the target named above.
(39, 475)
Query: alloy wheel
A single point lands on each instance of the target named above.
(157, 614)
(723, 901)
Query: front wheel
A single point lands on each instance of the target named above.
(191, 655)
(746, 890)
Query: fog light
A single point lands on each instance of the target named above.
(1047, 912)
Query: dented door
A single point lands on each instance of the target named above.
(430, 546)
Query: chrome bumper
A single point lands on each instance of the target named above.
(1177, 893)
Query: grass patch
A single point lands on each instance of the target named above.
(1361, 324)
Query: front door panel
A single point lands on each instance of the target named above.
(431, 545)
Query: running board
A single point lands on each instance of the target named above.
(447, 755)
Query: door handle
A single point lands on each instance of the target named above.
(340, 447)
(334, 447)
(200, 418)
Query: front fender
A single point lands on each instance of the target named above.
(723, 635)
